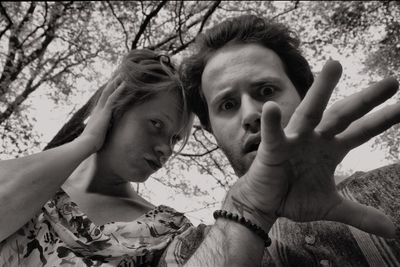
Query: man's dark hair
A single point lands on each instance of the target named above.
(247, 29)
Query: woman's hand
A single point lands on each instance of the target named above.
(293, 173)
(99, 120)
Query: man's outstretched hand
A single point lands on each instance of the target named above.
(293, 173)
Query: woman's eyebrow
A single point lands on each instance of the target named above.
(167, 116)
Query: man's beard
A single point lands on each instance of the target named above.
(240, 162)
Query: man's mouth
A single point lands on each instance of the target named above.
(252, 144)
(253, 147)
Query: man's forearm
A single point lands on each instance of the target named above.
(229, 243)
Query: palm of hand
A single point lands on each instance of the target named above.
(99, 121)
(292, 174)
(311, 192)
(302, 186)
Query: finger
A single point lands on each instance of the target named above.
(369, 126)
(111, 86)
(365, 218)
(344, 112)
(308, 114)
(272, 134)
(115, 95)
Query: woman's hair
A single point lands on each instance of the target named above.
(146, 73)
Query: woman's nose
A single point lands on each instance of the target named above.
(163, 151)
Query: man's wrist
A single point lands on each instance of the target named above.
(236, 203)
(245, 222)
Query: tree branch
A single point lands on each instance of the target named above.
(146, 21)
(38, 27)
(10, 22)
(27, 16)
(199, 155)
(210, 11)
(122, 25)
(296, 4)
(209, 173)
(173, 36)
(180, 22)
(12, 69)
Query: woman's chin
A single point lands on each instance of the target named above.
(139, 178)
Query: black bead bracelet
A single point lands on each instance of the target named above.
(243, 221)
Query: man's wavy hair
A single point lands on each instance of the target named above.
(247, 29)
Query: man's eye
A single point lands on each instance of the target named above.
(228, 105)
(157, 124)
(266, 91)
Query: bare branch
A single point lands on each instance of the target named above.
(199, 155)
(38, 27)
(208, 205)
(296, 5)
(30, 88)
(121, 23)
(146, 21)
(9, 24)
(207, 170)
(5, 14)
(173, 36)
(210, 11)
(26, 18)
(12, 69)
(180, 22)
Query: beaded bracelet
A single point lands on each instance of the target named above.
(246, 222)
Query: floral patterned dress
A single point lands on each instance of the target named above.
(61, 235)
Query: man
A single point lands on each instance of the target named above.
(251, 87)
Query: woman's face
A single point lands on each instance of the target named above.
(142, 140)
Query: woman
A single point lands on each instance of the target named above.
(74, 204)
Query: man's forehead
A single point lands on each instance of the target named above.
(240, 63)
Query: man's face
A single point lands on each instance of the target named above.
(236, 82)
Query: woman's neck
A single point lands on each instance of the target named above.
(89, 177)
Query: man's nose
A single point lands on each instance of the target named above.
(163, 151)
(251, 114)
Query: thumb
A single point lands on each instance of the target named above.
(272, 148)
(272, 133)
(365, 218)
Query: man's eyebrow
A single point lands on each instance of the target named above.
(221, 95)
(264, 80)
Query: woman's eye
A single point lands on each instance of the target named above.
(175, 139)
(266, 91)
(228, 105)
(157, 124)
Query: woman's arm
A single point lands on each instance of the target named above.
(27, 183)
